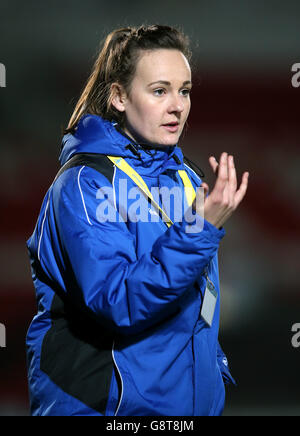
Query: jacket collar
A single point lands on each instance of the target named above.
(96, 135)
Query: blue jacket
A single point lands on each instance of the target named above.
(118, 329)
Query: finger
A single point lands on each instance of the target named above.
(222, 179)
(232, 181)
(240, 193)
(214, 164)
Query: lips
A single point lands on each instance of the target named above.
(172, 123)
(171, 127)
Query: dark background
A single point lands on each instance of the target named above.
(243, 102)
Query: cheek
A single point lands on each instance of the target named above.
(147, 115)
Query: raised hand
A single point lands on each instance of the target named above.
(225, 197)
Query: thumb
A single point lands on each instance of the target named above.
(199, 195)
(206, 189)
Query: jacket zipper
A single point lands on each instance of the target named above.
(122, 385)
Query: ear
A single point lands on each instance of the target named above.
(118, 97)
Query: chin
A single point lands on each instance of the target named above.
(168, 142)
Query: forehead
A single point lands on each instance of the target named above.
(162, 64)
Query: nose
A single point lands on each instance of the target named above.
(176, 104)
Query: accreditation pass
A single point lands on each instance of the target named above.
(209, 302)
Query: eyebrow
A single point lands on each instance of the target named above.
(165, 82)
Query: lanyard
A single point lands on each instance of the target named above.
(127, 169)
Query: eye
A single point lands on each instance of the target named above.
(159, 92)
(186, 92)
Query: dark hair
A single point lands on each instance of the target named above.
(116, 63)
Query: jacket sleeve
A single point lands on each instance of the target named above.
(127, 292)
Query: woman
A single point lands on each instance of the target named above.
(128, 293)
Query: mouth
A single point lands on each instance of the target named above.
(171, 127)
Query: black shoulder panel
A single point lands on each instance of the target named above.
(99, 162)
